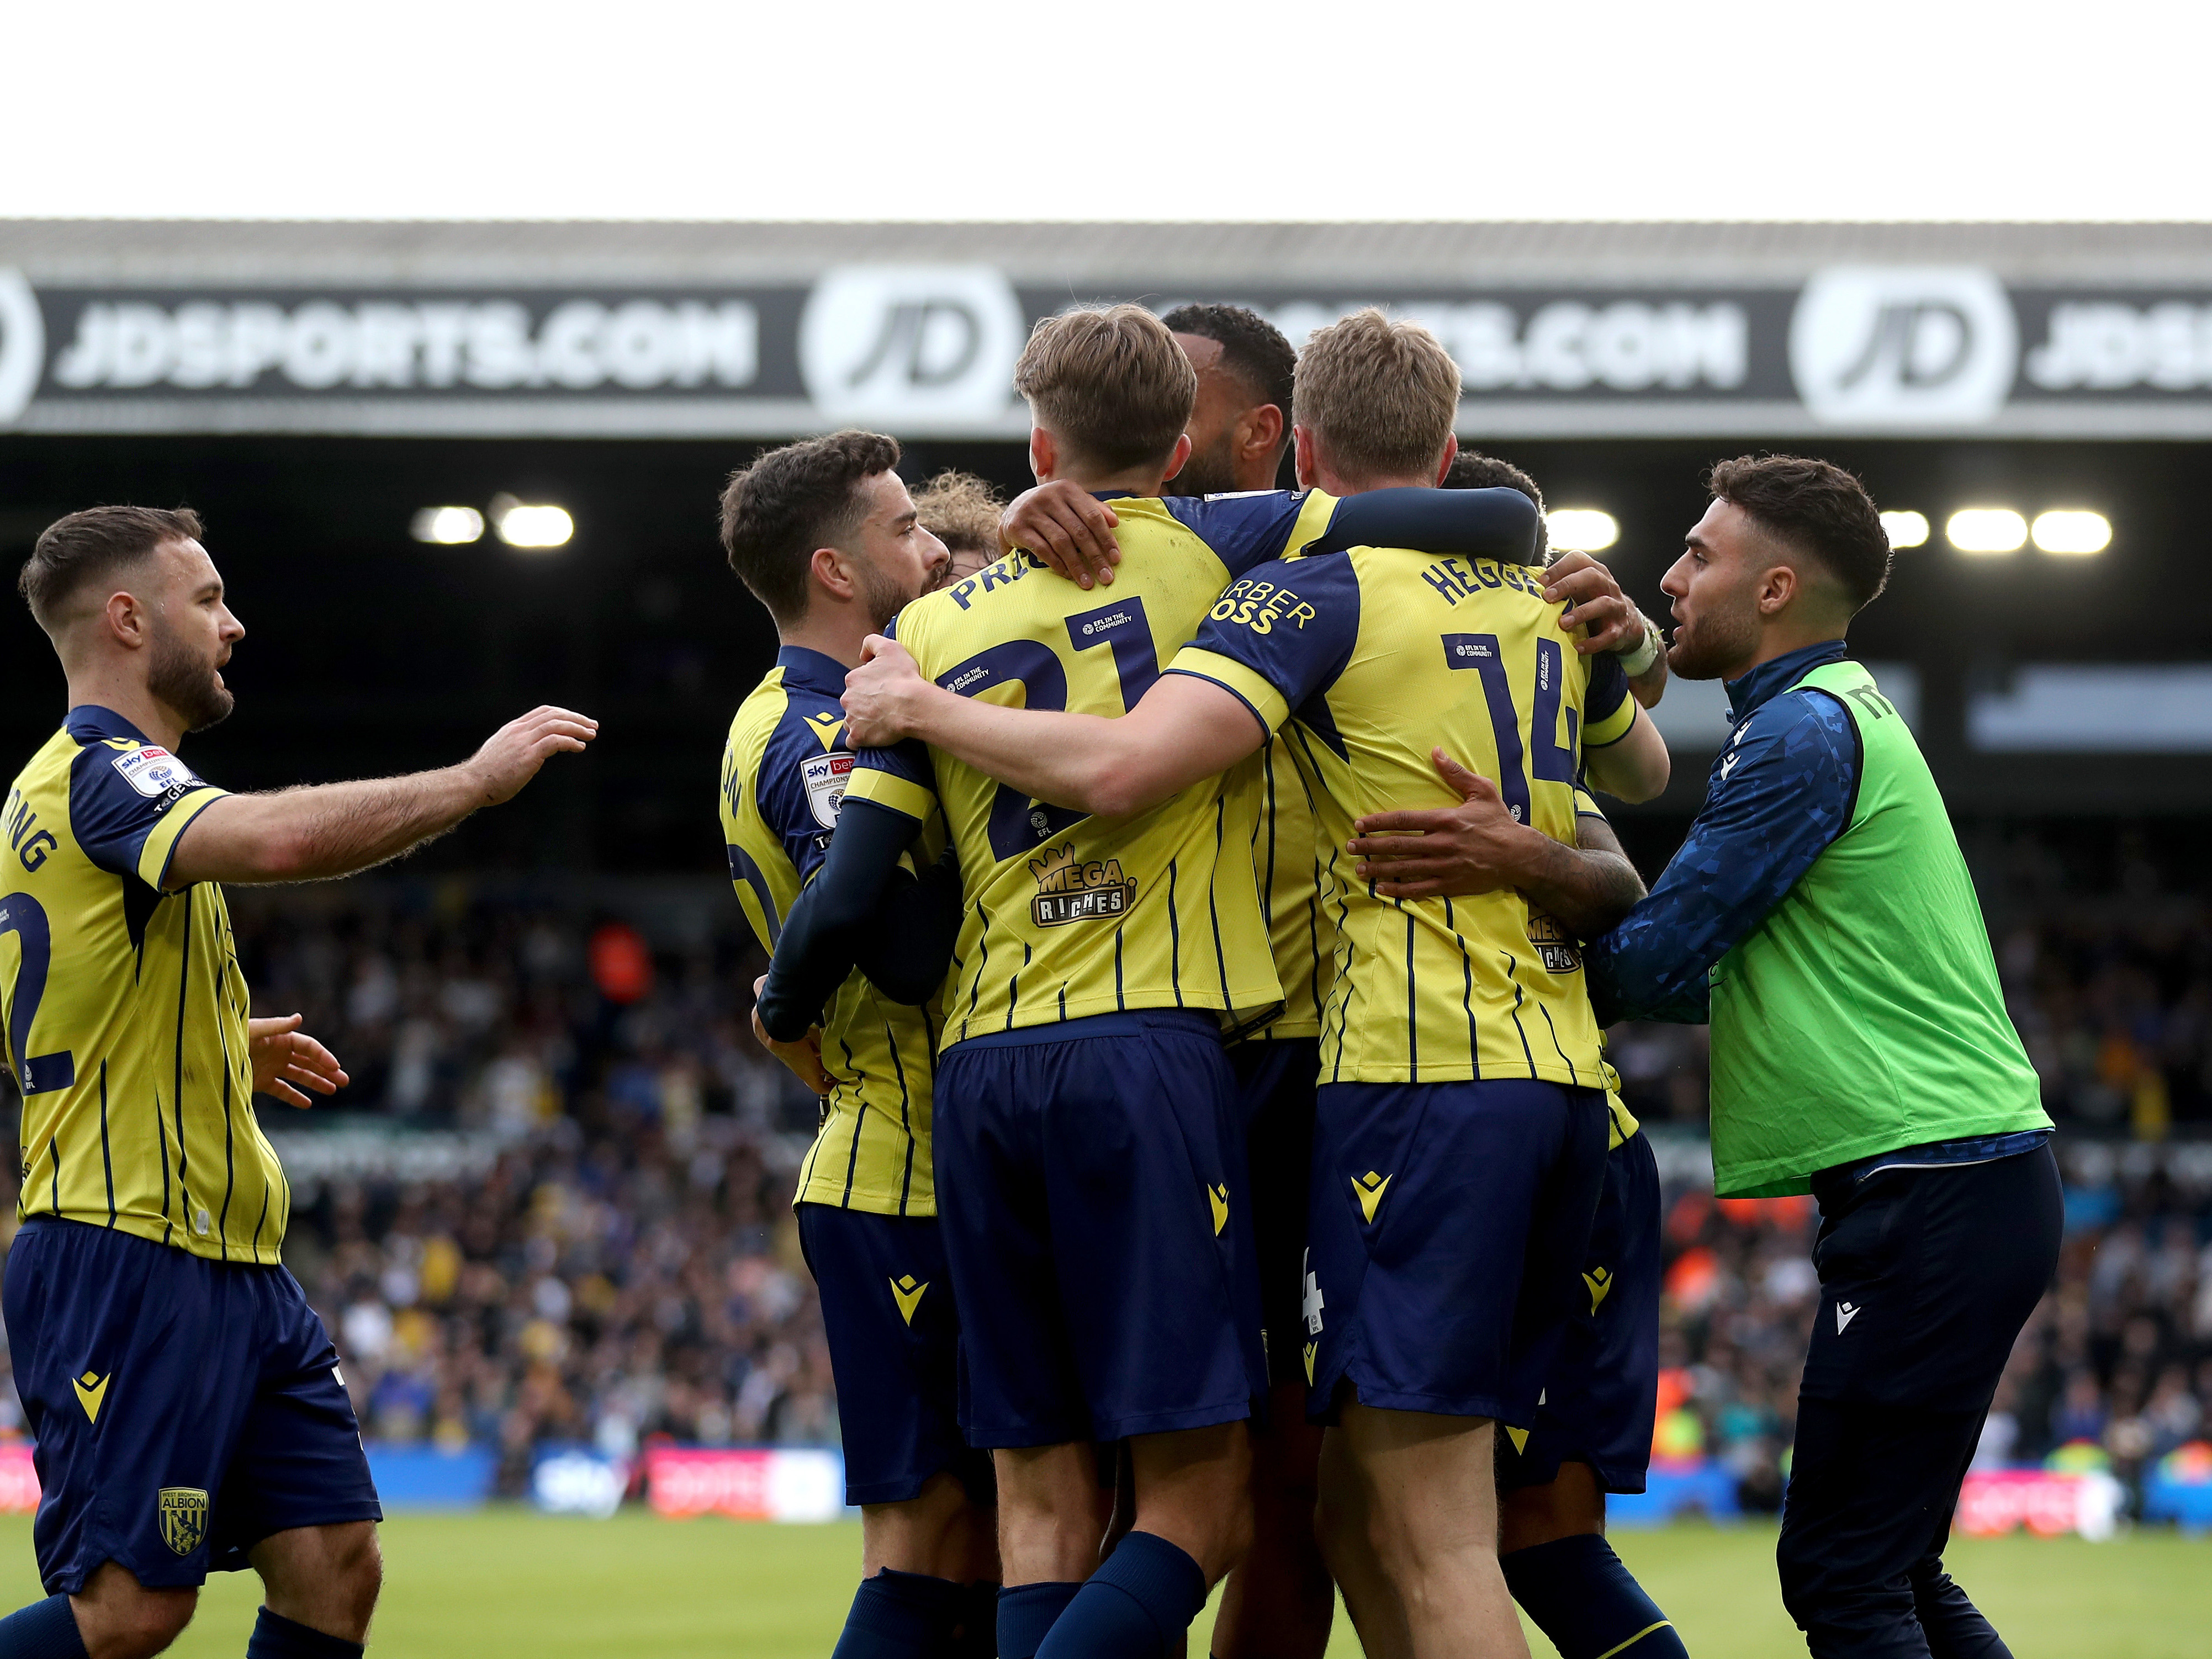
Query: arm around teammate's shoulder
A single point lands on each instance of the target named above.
(1182, 730)
(315, 832)
(1781, 793)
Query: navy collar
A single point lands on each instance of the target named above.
(88, 723)
(1771, 678)
(811, 669)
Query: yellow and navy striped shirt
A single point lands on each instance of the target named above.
(784, 773)
(1069, 915)
(123, 1006)
(1621, 1126)
(1369, 658)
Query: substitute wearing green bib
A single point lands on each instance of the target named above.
(1821, 915)
(1863, 1014)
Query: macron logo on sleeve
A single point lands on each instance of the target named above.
(153, 772)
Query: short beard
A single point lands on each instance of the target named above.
(185, 683)
(1213, 473)
(884, 598)
(1719, 643)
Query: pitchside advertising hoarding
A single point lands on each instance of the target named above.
(930, 349)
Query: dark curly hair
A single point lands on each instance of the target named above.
(1472, 469)
(1252, 348)
(790, 501)
(1812, 507)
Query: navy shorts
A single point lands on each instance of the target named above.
(1275, 1084)
(1602, 1392)
(1447, 1229)
(184, 1409)
(894, 1350)
(1096, 1213)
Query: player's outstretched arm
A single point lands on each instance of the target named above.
(1480, 847)
(310, 834)
(1636, 767)
(1182, 730)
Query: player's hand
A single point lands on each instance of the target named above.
(286, 1060)
(803, 1057)
(1069, 529)
(512, 756)
(1609, 617)
(884, 696)
(1473, 848)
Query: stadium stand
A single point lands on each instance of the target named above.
(554, 1205)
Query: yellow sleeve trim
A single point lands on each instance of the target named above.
(888, 789)
(1312, 523)
(1250, 687)
(1613, 728)
(1586, 805)
(161, 845)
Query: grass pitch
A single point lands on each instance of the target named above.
(507, 1582)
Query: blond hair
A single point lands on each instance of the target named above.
(1110, 384)
(1379, 396)
(962, 511)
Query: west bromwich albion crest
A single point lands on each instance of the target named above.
(184, 1511)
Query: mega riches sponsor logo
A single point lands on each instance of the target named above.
(1069, 890)
(911, 343)
(22, 344)
(1904, 345)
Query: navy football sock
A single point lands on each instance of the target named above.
(1579, 1595)
(1140, 1602)
(45, 1630)
(276, 1637)
(978, 1636)
(1027, 1614)
(901, 1615)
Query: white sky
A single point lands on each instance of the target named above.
(1201, 109)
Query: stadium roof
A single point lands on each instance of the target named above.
(199, 250)
(660, 329)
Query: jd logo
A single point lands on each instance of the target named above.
(911, 343)
(1906, 345)
(22, 346)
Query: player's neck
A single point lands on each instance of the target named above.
(1780, 640)
(1330, 480)
(838, 634)
(1132, 481)
(129, 699)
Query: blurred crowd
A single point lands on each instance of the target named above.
(607, 1255)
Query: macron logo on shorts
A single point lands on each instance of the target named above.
(1845, 1312)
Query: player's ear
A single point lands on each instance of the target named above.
(1777, 588)
(830, 569)
(1177, 457)
(1044, 454)
(1304, 463)
(1263, 432)
(125, 618)
(1451, 454)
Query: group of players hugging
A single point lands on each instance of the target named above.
(1219, 1173)
(1195, 915)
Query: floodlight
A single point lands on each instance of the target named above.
(1581, 529)
(1905, 529)
(1987, 530)
(447, 526)
(531, 526)
(2078, 534)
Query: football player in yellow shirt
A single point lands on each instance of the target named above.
(1089, 1158)
(184, 1396)
(825, 535)
(1463, 1081)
